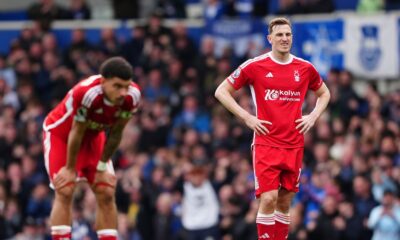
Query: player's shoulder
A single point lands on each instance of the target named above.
(88, 90)
(134, 93)
(134, 85)
(88, 83)
(302, 61)
(255, 60)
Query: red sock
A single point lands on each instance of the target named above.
(62, 232)
(282, 221)
(265, 226)
(107, 234)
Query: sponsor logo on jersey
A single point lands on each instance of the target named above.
(96, 125)
(269, 75)
(283, 95)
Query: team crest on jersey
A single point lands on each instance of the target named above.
(296, 76)
(236, 74)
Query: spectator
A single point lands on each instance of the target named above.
(46, 10)
(8, 74)
(132, 50)
(109, 42)
(363, 201)
(348, 223)
(200, 204)
(77, 49)
(173, 8)
(289, 7)
(79, 10)
(125, 9)
(213, 9)
(165, 220)
(191, 117)
(384, 219)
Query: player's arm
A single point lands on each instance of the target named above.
(308, 121)
(112, 143)
(74, 142)
(67, 174)
(224, 94)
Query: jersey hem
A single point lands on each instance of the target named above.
(278, 146)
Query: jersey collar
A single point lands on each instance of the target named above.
(290, 60)
(107, 102)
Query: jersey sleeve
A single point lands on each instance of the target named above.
(131, 102)
(82, 102)
(239, 77)
(315, 79)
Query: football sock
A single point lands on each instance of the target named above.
(282, 221)
(62, 232)
(107, 234)
(265, 226)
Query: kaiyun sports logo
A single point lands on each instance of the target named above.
(276, 94)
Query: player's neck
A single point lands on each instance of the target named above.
(281, 57)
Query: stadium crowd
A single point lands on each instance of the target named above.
(350, 180)
(211, 9)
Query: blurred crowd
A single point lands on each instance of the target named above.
(209, 9)
(184, 153)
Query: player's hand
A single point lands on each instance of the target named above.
(306, 123)
(257, 125)
(64, 177)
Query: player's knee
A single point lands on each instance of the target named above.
(284, 201)
(104, 193)
(283, 206)
(268, 199)
(65, 194)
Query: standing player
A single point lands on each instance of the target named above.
(76, 146)
(278, 82)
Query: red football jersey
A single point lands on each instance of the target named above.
(278, 91)
(86, 102)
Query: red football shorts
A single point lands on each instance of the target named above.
(276, 167)
(55, 155)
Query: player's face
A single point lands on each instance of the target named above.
(115, 89)
(281, 38)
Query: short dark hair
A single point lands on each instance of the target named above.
(116, 67)
(278, 21)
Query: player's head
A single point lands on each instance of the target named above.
(117, 75)
(280, 35)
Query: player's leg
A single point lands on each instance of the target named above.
(290, 185)
(61, 213)
(106, 210)
(55, 159)
(265, 219)
(282, 217)
(103, 185)
(266, 184)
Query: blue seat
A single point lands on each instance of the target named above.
(13, 15)
(346, 4)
